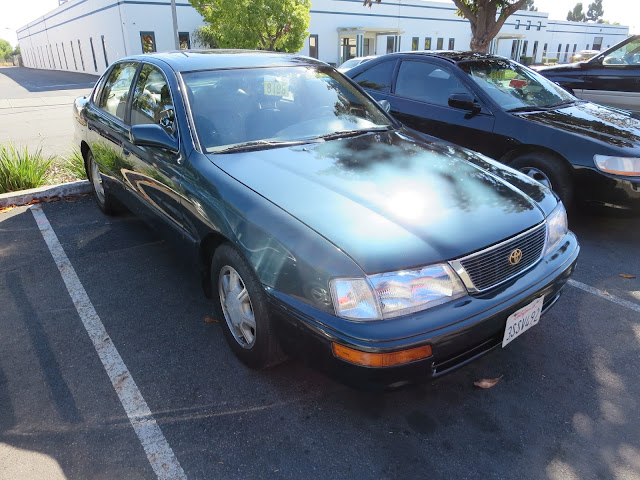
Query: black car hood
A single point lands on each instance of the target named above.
(569, 67)
(588, 120)
(386, 201)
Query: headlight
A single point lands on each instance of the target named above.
(388, 295)
(557, 227)
(618, 165)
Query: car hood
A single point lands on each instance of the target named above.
(385, 200)
(615, 128)
(569, 67)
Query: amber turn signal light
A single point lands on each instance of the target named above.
(380, 359)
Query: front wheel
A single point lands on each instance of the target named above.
(241, 301)
(549, 171)
(103, 198)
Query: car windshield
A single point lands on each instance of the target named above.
(351, 63)
(513, 86)
(262, 107)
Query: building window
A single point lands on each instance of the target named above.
(59, 57)
(148, 42)
(81, 56)
(528, 24)
(439, 43)
(53, 59)
(348, 49)
(93, 53)
(427, 43)
(525, 44)
(313, 46)
(452, 43)
(104, 51)
(64, 53)
(587, 47)
(566, 53)
(535, 52)
(539, 25)
(544, 50)
(73, 53)
(414, 43)
(184, 40)
(559, 51)
(366, 47)
(597, 43)
(517, 24)
(390, 43)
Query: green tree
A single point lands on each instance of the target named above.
(5, 49)
(595, 11)
(279, 25)
(577, 15)
(528, 5)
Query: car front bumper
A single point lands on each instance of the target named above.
(458, 332)
(607, 190)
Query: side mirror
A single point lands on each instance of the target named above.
(153, 135)
(464, 101)
(385, 105)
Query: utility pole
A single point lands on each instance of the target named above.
(176, 39)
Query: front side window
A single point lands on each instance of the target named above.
(377, 77)
(152, 102)
(263, 107)
(515, 87)
(115, 92)
(627, 54)
(427, 82)
(148, 41)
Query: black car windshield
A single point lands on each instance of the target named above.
(263, 107)
(513, 86)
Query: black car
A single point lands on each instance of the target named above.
(510, 113)
(610, 78)
(321, 227)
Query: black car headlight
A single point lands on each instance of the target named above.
(557, 227)
(618, 165)
(392, 294)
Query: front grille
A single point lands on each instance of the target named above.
(491, 266)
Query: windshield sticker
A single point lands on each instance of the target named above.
(497, 75)
(276, 87)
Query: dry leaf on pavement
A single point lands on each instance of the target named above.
(626, 275)
(487, 382)
(210, 320)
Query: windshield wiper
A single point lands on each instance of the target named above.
(352, 133)
(257, 145)
(565, 102)
(527, 108)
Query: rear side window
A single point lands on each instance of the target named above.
(116, 89)
(152, 102)
(377, 77)
(427, 82)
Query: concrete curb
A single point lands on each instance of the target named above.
(43, 193)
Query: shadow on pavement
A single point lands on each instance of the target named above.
(35, 80)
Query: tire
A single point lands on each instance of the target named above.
(548, 170)
(103, 198)
(241, 305)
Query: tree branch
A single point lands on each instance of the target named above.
(466, 11)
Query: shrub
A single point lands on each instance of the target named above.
(72, 164)
(21, 169)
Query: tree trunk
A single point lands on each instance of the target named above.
(480, 45)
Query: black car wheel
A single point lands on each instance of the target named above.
(102, 196)
(240, 299)
(548, 170)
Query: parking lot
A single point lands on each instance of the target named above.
(566, 406)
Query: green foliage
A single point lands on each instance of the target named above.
(279, 25)
(205, 36)
(72, 164)
(21, 169)
(528, 5)
(595, 11)
(576, 15)
(16, 51)
(5, 50)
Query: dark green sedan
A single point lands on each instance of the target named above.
(321, 227)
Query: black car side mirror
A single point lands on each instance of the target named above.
(153, 135)
(464, 101)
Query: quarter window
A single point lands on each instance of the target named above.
(152, 102)
(115, 93)
(427, 82)
(377, 77)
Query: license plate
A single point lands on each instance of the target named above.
(522, 320)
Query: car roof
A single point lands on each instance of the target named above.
(192, 60)
(452, 56)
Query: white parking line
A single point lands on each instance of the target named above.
(161, 457)
(620, 301)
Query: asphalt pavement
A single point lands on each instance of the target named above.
(35, 107)
(566, 406)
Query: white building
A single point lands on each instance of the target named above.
(87, 35)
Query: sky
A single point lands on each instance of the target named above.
(626, 12)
